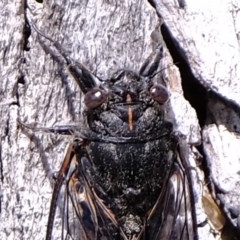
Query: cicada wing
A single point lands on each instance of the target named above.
(172, 216)
(84, 215)
(79, 214)
(59, 197)
(65, 225)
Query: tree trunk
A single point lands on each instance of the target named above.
(201, 71)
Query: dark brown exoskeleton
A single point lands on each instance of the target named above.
(123, 176)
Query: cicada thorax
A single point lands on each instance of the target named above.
(133, 154)
(131, 172)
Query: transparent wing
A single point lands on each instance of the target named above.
(84, 215)
(172, 217)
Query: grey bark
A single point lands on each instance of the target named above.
(207, 35)
(106, 36)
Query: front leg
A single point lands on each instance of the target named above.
(63, 130)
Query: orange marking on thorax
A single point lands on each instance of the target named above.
(130, 113)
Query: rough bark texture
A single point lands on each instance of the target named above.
(203, 40)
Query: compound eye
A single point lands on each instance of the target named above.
(95, 97)
(159, 93)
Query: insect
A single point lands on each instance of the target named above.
(124, 177)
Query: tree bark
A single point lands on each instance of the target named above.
(201, 39)
(207, 38)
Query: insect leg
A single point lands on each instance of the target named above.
(63, 130)
(83, 77)
(150, 66)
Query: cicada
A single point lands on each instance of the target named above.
(123, 177)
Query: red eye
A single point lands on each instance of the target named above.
(159, 93)
(94, 98)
